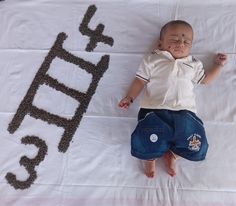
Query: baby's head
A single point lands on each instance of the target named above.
(176, 37)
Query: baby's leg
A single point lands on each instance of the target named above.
(149, 168)
(170, 159)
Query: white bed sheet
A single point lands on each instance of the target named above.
(97, 168)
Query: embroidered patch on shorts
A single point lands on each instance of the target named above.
(194, 142)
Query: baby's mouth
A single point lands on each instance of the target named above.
(178, 50)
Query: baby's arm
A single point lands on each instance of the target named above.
(133, 91)
(220, 61)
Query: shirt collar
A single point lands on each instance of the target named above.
(169, 55)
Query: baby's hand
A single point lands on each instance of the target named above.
(125, 102)
(221, 59)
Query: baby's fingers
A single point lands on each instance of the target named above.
(123, 105)
(221, 59)
(222, 56)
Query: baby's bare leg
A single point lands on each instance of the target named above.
(170, 159)
(149, 168)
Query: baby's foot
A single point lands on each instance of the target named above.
(169, 159)
(150, 167)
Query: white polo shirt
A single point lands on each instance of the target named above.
(170, 81)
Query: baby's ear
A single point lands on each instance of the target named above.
(159, 44)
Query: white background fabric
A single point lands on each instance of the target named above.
(98, 168)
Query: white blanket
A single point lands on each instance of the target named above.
(96, 167)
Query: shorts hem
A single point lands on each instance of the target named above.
(145, 156)
(194, 159)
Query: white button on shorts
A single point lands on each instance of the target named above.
(153, 137)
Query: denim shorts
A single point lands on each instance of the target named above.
(161, 130)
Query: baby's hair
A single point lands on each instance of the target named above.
(172, 23)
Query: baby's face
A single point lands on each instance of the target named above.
(177, 40)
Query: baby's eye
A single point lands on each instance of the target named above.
(174, 40)
(187, 42)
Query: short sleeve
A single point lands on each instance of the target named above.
(143, 71)
(199, 72)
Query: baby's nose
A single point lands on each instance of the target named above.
(180, 43)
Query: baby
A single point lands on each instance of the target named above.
(167, 122)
